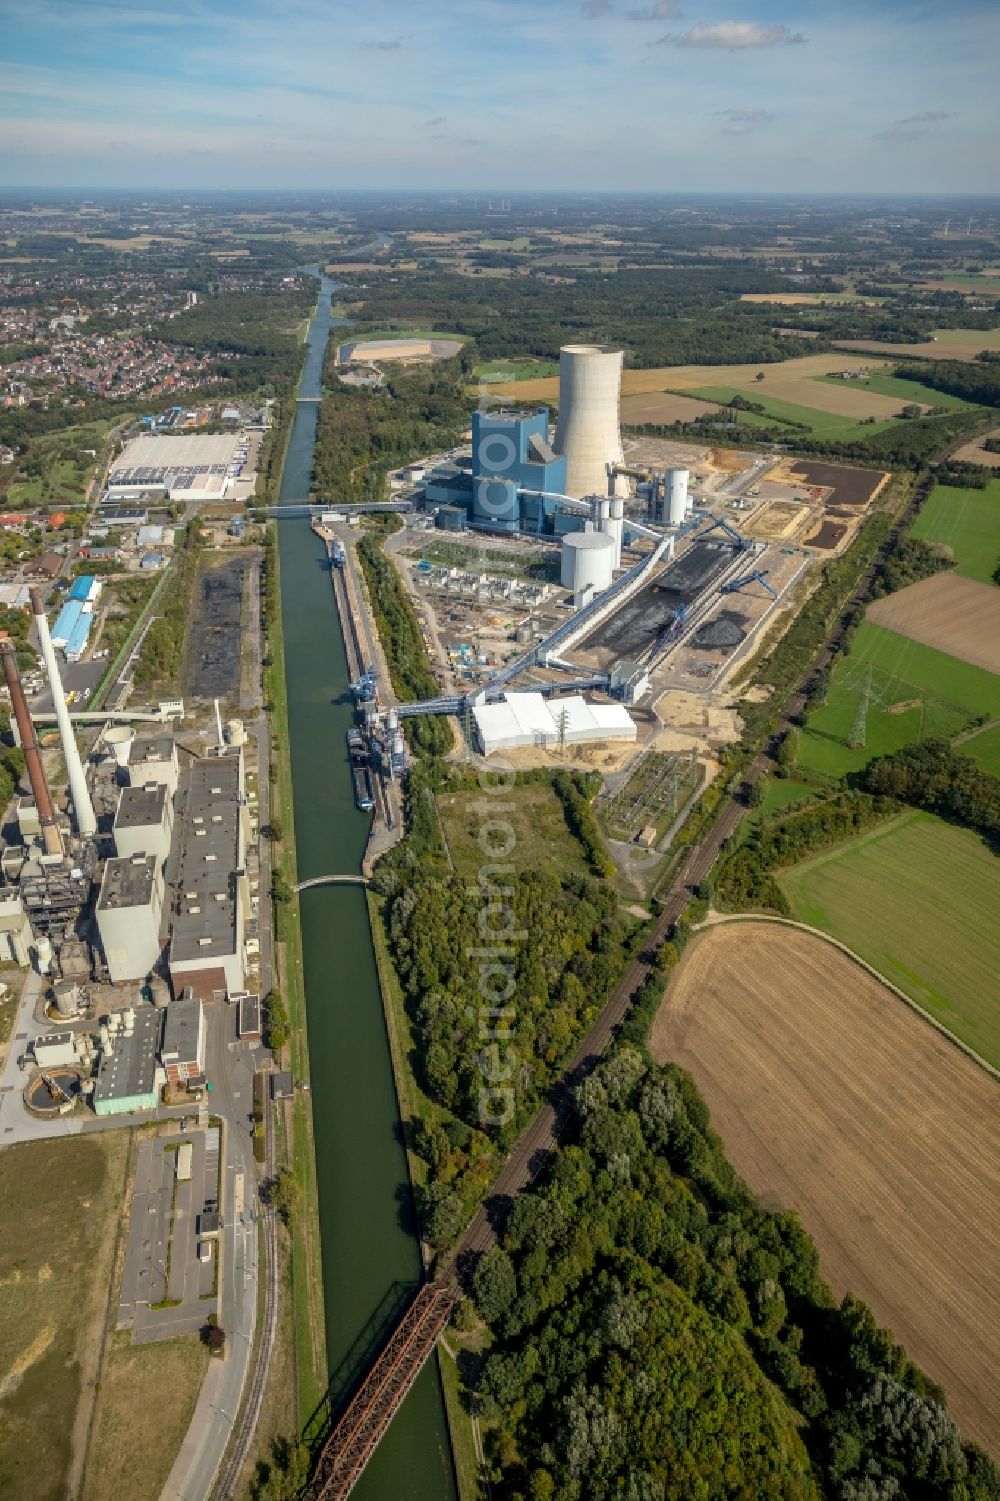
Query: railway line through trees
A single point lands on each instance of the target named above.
(356, 1434)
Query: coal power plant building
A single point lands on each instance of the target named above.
(513, 464)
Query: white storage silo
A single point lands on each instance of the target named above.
(587, 432)
(675, 495)
(587, 561)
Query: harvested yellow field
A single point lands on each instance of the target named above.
(974, 453)
(662, 407)
(952, 614)
(792, 380)
(834, 1099)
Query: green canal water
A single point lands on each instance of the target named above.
(371, 1259)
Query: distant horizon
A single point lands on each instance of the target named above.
(677, 96)
(166, 190)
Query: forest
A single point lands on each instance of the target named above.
(694, 316)
(657, 1335)
(973, 380)
(362, 434)
(933, 776)
(575, 942)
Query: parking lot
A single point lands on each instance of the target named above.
(167, 1288)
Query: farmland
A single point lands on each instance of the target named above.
(825, 424)
(796, 379)
(967, 521)
(53, 1291)
(952, 614)
(984, 749)
(834, 1099)
(906, 391)
(948, 344)
(918, 899)
(915, 692)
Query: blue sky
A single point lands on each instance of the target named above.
(654, 95)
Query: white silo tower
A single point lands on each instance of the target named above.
(587, 433)
(675, 495)
(587, 561)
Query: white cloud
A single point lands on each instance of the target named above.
(733, 36)
(591, 9)
(393, 44)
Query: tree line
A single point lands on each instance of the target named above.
(656, 1334)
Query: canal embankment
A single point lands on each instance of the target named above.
(367, 1227)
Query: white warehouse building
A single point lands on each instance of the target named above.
(527, 719)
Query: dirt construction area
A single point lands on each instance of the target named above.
(836, 1100)
(955, 615)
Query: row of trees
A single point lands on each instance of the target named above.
(933, 775)
(655, 1333)
(746, 878)
(403, 645)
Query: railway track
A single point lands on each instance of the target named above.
(357, 1434)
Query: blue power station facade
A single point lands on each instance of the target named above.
(510, 457)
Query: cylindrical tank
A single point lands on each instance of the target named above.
(587, 559)
(450, 519)
(119, 742)
(587, 431)
(67, 997)
(675, 495)
(43, 953)
(236, 732)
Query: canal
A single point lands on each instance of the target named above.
(371, 1257)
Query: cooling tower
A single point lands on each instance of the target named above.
(590, 377)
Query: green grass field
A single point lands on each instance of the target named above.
(945, 695)
(543, 841)
(987, 338)
(967, 521)
(905, 390)
(984, 749)
(500, 370)
(406, 333)
(917, 898)
(823, 424)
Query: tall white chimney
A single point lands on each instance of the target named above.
(615, 527)
(83, 808)
(220, 747)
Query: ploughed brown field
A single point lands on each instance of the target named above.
(834, 1099)
(956, 615)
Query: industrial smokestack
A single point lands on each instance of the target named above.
(31, 749)
(221, 745)
(83, 808)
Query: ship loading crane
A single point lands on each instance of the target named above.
(757, 577)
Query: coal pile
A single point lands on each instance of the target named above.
(724, 632)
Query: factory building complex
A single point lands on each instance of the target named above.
(143, 890)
